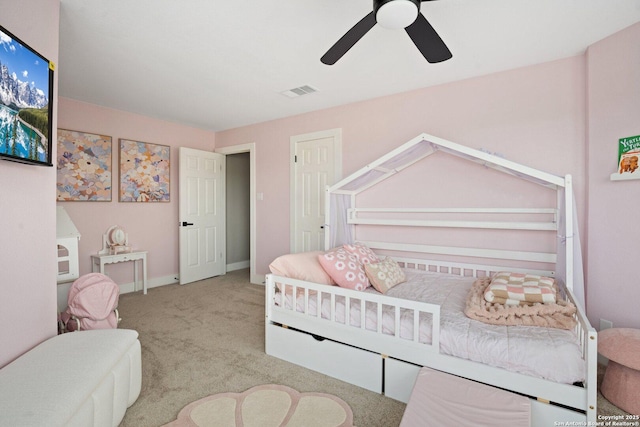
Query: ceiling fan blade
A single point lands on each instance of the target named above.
(347, 41)
(427, 40)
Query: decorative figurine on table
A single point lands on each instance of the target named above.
(115, 241)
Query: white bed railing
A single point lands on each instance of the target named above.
(339, 325)
(588, 338)
(464, 270)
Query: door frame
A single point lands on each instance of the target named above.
(251, 149)
(336, 134)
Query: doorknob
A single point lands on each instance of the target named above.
(185, 223)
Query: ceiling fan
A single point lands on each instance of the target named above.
(394, 14)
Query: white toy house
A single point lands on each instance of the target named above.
(67, 236)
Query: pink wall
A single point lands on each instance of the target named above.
(27, 210)
(151, 226)
(534, 116)
(614, 112)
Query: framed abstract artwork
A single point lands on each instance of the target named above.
(83, 167)
(144, 171)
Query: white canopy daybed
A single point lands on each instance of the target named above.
(366, 351)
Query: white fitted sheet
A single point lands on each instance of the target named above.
(548, 353)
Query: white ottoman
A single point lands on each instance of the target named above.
(86, 378)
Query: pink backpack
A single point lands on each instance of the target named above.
(92, 304)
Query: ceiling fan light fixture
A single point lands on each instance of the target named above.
(394, 14)
(397, 14)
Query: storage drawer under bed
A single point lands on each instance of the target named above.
(350, 364)
(399, 378)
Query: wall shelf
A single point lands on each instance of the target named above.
(624, 176)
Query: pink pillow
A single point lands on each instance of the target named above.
(302, 266)
(363, 254)
(345, 269)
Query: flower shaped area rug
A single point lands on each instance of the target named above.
(266, 406)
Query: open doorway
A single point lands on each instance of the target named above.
(250, 150)
(238, 212)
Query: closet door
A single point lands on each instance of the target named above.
(316, 164)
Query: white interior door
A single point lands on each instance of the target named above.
(202, 215)
(316, 164)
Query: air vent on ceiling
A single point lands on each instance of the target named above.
(299, 91)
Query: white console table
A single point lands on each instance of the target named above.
(98, 263)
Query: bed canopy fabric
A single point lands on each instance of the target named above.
(341, 197)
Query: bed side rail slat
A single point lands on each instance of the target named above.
(541, 257)
(464, 269)
(418, 217)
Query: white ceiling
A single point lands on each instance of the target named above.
(221, 64)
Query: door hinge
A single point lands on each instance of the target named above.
(295, 159)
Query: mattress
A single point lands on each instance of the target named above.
(547, 353)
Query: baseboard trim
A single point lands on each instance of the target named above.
(126, 288)
(238, 265)
(258, 279)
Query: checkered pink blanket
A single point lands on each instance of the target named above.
(520, 289)
(552, 315)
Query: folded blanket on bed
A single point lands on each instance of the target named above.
(520, 289)
(552, 315)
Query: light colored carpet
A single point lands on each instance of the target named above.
(207, 337)
(268, 405)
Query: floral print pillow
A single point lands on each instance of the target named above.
(363, 254)
(384, 275)
(344, 269)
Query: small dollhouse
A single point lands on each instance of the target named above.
(67, 236)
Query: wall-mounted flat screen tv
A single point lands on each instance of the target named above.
(26, 98)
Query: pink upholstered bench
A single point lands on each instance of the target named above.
(621, 383)
(440, 399)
